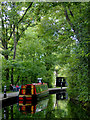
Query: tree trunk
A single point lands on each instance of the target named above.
(15, 43)
(17, 79)
(12, 76)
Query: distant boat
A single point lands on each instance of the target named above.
(32, 92)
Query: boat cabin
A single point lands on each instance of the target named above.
(33, 91)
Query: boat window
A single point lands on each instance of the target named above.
(41, 88)
(37, 89)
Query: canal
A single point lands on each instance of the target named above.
(55, 106)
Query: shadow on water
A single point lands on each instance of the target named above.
(55, 106)
(9, 101)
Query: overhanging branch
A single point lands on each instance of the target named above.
(25, 12)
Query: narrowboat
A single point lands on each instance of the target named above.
(32, 92)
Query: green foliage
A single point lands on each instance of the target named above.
(46, 35)
(78, 60)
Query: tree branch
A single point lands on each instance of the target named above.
(20, 19)
(70, 12)
(25, 12)
(3, 31)
(68, 19)
(11, 32)
(15, 43)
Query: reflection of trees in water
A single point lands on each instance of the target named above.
(11, 112)
(51, 106)
(55, 109)
(57, 106)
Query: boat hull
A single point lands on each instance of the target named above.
(23, 99)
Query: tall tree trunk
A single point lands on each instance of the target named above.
(4, 43)
(7, 73)
(15, 43)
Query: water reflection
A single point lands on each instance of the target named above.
(5, 113)
(61, 96)
(11, 111)
(33, 107)
(54, 106)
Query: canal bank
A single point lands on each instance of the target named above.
(14, 94)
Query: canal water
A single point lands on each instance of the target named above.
(53, 107)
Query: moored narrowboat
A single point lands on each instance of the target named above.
(32, 92)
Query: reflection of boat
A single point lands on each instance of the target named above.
(33, 107)
(32, 92)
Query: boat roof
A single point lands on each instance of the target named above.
(36, 84)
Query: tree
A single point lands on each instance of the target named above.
(56, 35)
(79, 56)
(12, 29)
(72, 43)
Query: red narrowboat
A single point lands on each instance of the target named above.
(32, 92)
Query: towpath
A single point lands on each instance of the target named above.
(13, 94)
